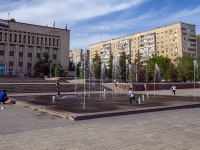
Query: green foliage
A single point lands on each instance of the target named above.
(140, 68)
(168, 71)
(122, 66)
(58, 70)
(97, 66)
(42, 67)
(71, 66)
(185, 67)
(78, 69)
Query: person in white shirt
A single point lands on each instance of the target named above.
(132, 96)
(173, 89)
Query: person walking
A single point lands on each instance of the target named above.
(132, 96)
(173, 89)
(3, 97)
(58, 89)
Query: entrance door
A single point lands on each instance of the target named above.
(2, 70)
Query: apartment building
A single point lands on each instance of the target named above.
(198, 45)
(22, 45)
(78, 55)
(171, 41)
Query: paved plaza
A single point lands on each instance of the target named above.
(25, 128)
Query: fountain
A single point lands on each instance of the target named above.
(195, 68)
(157, 71)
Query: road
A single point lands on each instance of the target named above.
(25, 129)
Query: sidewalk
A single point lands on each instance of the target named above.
(74, 106)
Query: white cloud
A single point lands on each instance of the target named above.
(46, 11)
(81, 17)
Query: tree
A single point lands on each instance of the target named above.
(42, 67)
(122, 64)
(139, 67)
(185, 67)
(167, 68)
(172, 73)
(71, 66)
(97, 66)
(58, 70)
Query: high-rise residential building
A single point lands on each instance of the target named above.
(78, 55)
(198, 45)
(171, 41)
(22, 45)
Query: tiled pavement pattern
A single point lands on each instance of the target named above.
(25, 129)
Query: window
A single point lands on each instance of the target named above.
(1, 58)
(38, 50)
(33, 39)
(20, 58)
(15, 38)
(46, 50)
(11, 47)
(20, 38)
(53, 42)
(11, 58)
(49, 41)
(184, 29)
(54, 51)
(176, 45)
(29, 49)
(57, 42)
(29, 39)
(21, 49)
(54, 61)
(29, 59)
(24, 38)
(1, 47)
(10, 39)
(37, 40)
(41, 40)
(5, 37)
(45, 41)
(20, 69)
(10, 69)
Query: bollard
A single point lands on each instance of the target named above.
(147, 95)
(142, 97)
(53, 98)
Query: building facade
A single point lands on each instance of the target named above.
(170, 41)
(78, 55)
(22, 45)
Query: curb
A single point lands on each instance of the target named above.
(37, 108)
(106, 114)
(111, 114)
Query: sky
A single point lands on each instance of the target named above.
(94, 21)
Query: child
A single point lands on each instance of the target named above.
(173, 89)
(58, 89)
(132, 96)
